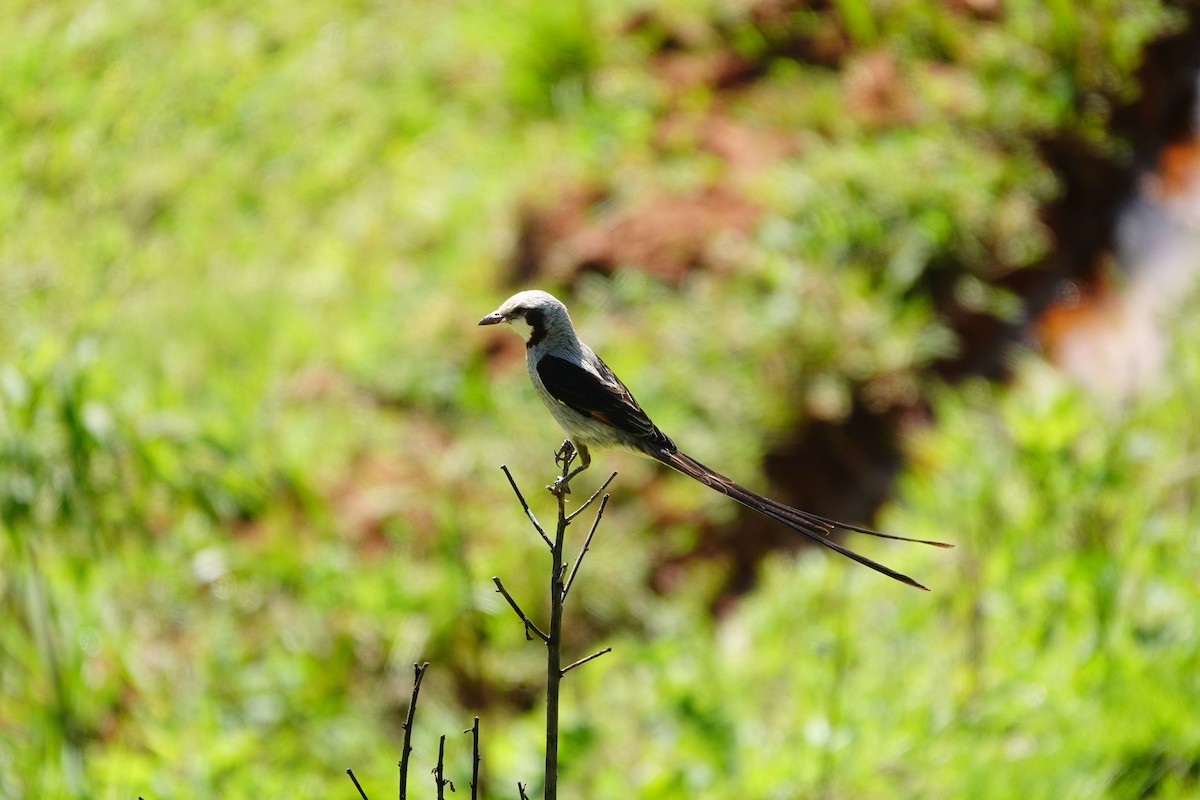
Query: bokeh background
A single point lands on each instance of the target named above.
(921, 264)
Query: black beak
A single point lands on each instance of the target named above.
(494, 318)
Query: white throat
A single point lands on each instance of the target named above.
(523, 328)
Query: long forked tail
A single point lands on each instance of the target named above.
(814, 527)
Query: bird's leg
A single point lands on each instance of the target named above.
(564, 455)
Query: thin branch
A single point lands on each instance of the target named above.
(562, 576)
(529, 626)
(439, 774)
(591, 499)
(349, 772)
(525, 506)
(419, 670)
(554, 633)
(583, 661)
(587, 543)
(474, 731)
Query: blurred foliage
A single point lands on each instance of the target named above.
(1056, 658)
(248, 430)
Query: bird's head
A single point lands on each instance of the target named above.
(533, 314)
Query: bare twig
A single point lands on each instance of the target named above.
(474, 731)
(349, 772)
(439, 773)
(560, 582)
(525, 506)
(586, 544)
(591, 499)
(529, 626)
(554, 637)
(582, 661)
(419, 673)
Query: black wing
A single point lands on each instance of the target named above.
(602, 398)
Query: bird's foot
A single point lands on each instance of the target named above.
(560, 487)
(565, 454)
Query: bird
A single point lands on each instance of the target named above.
(596, 410)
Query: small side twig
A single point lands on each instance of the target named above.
(587, 543)
(439, 775)
(521, 791)
(591, 499)
(419, 670)
(524, 505)
(349, 772)
(529, 625)
(474, 731)
(583, 661)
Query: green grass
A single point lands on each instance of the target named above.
(249, 433)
